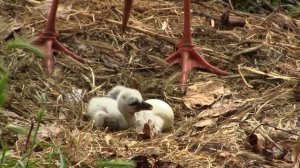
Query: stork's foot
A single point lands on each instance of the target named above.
(49, 43)
(189, 58)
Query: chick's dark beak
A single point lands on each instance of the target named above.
(143, 106)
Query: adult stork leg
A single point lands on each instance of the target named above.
(126, 13)
(186, 55)
(48, 42)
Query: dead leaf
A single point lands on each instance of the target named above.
(148, 132)
(222, 107)
(141, 161)
(204, 93)
(206, 122)
(47, 131)
(257, 141)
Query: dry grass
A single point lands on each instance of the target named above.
(266, 78)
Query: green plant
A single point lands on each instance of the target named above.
(19, 42)
(117, 164)
(4, 153)
(3, 84)
(28, 152)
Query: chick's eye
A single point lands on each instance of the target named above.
(135, 103)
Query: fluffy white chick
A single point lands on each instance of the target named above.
(115, 91)
(130, 102)
(162, 115)
(105, 113)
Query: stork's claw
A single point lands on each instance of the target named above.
(49, 43)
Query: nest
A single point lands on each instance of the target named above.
(262, 58)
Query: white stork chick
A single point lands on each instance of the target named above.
(162, 115)
(117, 114)
(105, 113)
(114, 92)
(130, 102)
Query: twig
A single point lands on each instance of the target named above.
(263, 132)
(243, 78)
(28, 136)
(166, 38)
(276, 128)
(248, 50)
(248, 42)
(272, 75)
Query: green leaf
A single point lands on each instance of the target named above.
(3, 83)
(117, 164)
(16, 129)
(19, 42)
(4, 154)
(62, 160)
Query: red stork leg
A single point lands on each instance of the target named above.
(186, 55)
(126, 13)
(49, 43)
